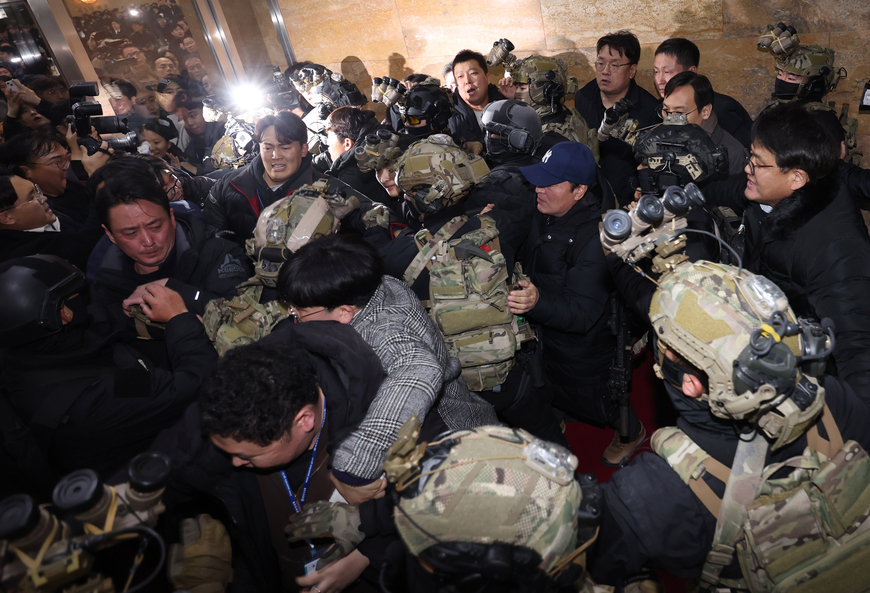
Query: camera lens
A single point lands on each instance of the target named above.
(649, 209)
(128, 143)
(78, 492)
(676, 200)
(148, 471)
(617, 225)
(19, 515)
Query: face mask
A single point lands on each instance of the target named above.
(785, 90)
(494, 146)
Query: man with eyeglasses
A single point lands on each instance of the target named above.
(615, 69)
(688, 98)
(44, 161)
(802, 230)
(28, 225)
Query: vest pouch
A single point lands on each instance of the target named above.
(229, 337)
(481, 347)
(456, 316)
(486, 377)
(844, 482)
(485, 278)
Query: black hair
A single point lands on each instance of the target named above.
(700, 85)
(797, 139)
(127, 181)
(289, 127)
(192, 56)
(8, 195)
(686, 52)
(47, 83)
(624, 42)
(466, 55)
(162, 127)
(330, 272)
(256, 392)
(25, 147)
(121, 164)
(127, 88)
(348, 122)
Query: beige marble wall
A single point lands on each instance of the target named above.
(363, 39)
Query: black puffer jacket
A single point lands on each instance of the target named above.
(564, 259)
(235, 202)
(814, 246)
(651, 519)
(346, 169)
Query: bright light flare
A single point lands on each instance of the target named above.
(248, 96)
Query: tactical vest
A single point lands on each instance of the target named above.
(241, 320)
(574, 128)
(807, 532)
(468, 292)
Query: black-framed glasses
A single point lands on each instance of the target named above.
(602, 66)
(297, 318)
(753, 166)
(664, 113)
(171, 186)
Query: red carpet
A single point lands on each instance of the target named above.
(654, 410)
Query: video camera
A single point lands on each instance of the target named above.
(38, 549)
(85, 114)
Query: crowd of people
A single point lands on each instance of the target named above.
(360, 344)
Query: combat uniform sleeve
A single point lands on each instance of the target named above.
(414, 379)
(857, 180)
(581, 304)
(727, 193)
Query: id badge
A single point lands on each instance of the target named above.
(310, 567)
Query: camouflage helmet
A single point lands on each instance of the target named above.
(707, 313)
(816, 64)
(487, 485)
(287, 225)
(436, 173)
(548, 82)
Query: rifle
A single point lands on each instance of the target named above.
(621, 368)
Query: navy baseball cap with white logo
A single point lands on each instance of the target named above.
(566, 161)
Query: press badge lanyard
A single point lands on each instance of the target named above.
(297, 506)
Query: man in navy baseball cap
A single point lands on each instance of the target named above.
(568, 292)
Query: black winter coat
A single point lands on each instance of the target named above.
(617, 158)
(123, 401)
(652, 519)
(564, 259)
(345, 168)
(463, 124)
(814, 246)
(74, 242)
(200, 268)
(349, 373)
(235, 202)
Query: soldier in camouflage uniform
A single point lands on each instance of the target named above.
(661, 510)
(543, 83)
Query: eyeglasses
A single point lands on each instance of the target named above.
(665, 113)
(297, 318)
(602, 66)
(753, 166)
(39, 197)
(171, 186)
(61, 162)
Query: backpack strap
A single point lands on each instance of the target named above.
(424, 257)
(740, 491)
(827, 447)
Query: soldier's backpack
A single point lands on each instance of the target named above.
(807, 532)
(468, 290)
(242, 320)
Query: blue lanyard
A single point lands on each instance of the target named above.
(261, 209)
(297, 506)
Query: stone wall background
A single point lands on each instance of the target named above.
(364, 39)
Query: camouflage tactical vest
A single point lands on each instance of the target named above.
(575, 129)
(241, 320)
(807, 532)
(468, 293)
